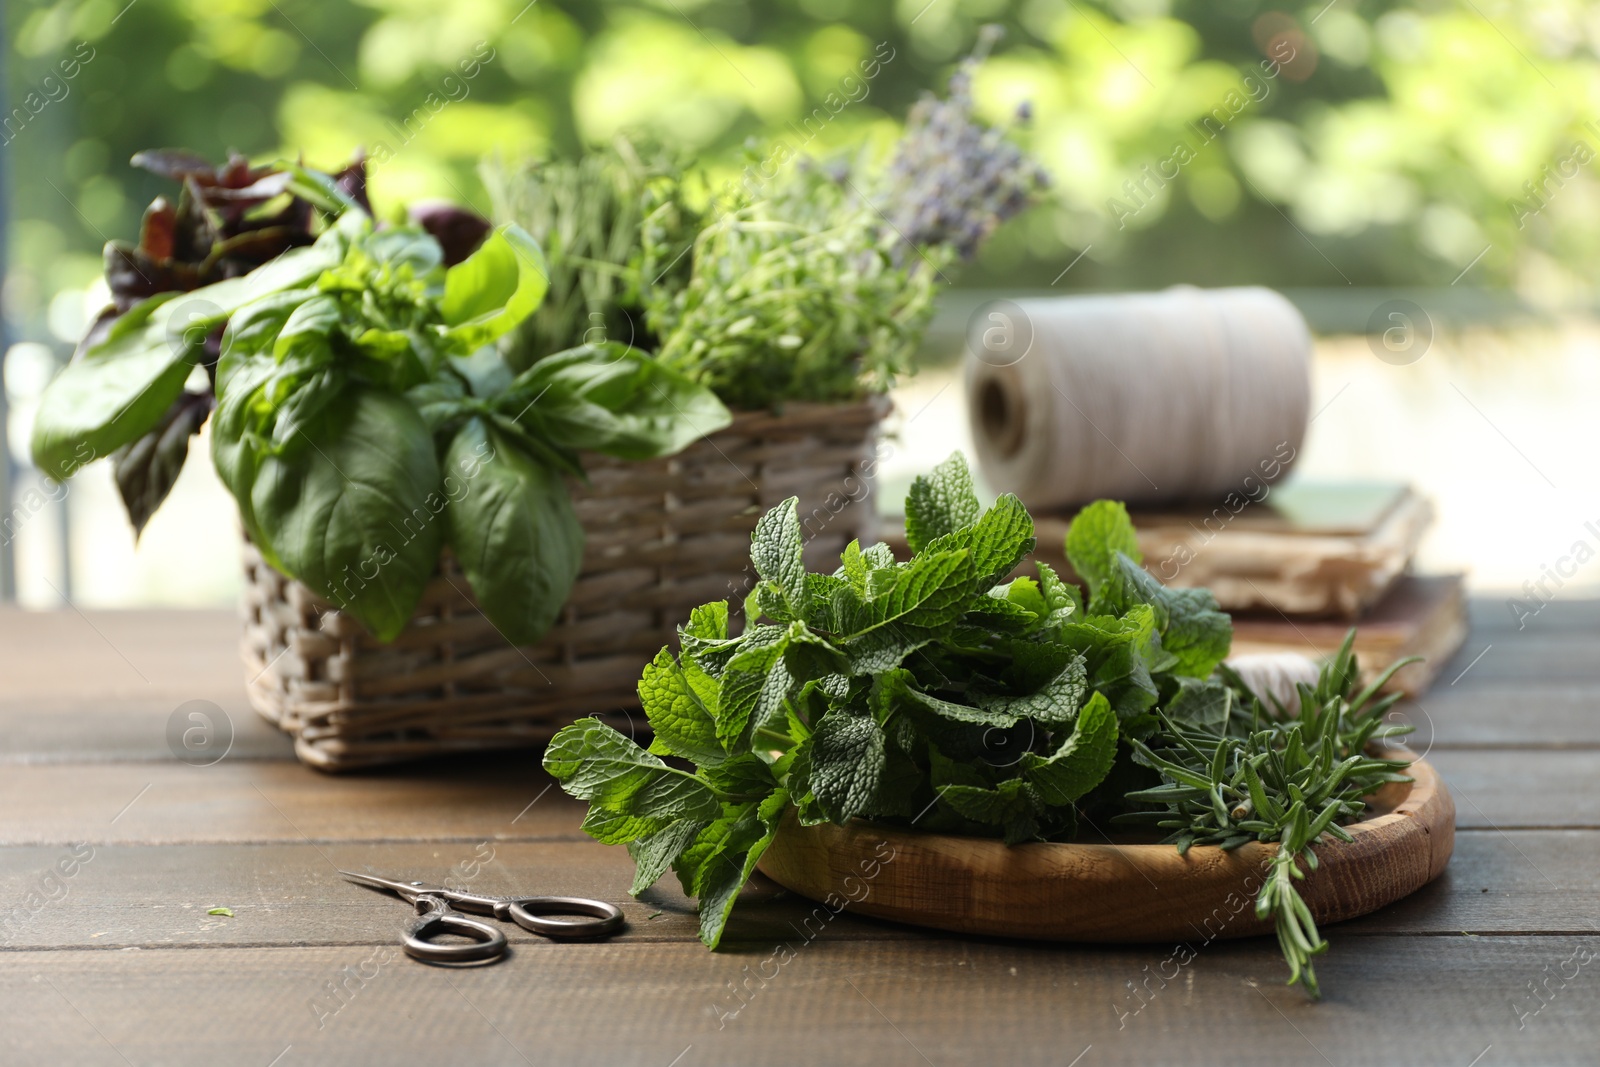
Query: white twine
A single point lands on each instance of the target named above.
(1143, 397)
(1275, 674)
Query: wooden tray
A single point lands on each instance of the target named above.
(1108, 892)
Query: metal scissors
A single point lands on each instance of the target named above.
(437, 916)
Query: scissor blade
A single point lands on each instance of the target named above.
(408, 890)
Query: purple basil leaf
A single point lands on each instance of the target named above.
(147, 469)
(458, 231)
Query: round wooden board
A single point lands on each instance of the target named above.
(1108, 892)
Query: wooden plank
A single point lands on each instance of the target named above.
(1505, 715)
(1505, 789)
(1563, 657)
(1444, 1001)
(237, 801)
(1491, 614)
(1520, 881)
(120, 896)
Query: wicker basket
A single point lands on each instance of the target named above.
(664, 536)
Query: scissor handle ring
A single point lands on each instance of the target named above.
(488, 941)
(604, 919)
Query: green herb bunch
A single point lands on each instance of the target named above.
(805, 281)
(944, 695)
(795, 294)
(365, 419)
(587, 215)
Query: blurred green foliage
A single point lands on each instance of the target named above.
(1391, 146)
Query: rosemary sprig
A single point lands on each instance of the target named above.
(1268, 775)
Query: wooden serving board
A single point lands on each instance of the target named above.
(1110, 892)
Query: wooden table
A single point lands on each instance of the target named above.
(121, 962)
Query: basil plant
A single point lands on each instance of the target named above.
(365, 418)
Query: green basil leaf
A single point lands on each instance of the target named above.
(490, 292)
(406, 247)
(120, 389)
(615, 399)
(357, 516)
(513, 529)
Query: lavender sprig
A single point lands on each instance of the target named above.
(954, 179)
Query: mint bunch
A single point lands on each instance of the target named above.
(937, 695)
(933, 693)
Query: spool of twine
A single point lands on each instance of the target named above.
(1186, 394)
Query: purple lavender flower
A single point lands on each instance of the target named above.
(953, 180)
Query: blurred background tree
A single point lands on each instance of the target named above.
(1393, 146)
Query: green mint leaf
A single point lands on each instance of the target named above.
(777, 550)
(1009, 806)
(897, 795)
(1035, 664)
(727, 874)
(1129, 584)
(929, 592)
(809, 655)
(853, 567)
(1054, 703)
(1194, 630)
(1000, 613)
(1096, 535)
(618, 828)
(770, 811)
(708, 622)
(847, 760)
(1201, 703)
(1025, 593)
(899, 683)
(940, 503)
(652, 855)
(744, 777)
(998, 541)
(1198, 632)
(752, 690)
(1081, 762)
(1064, 600)
(593, 762)
(769, 601)
(683, 725)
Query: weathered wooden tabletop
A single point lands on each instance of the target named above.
(118, 961)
